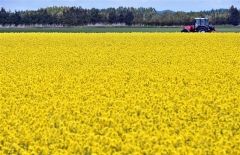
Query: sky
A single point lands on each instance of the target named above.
(175, 5)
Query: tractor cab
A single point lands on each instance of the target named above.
(201, 22)
(199, 25)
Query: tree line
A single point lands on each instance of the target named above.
(74, 16)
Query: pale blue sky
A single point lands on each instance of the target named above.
(176, 5)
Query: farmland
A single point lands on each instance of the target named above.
(119, 93)
(113, 29)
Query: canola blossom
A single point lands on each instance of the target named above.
(128, 93)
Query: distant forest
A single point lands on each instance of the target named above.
(76, 16)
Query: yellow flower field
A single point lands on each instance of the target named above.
(129, 93)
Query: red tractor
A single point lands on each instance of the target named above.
(199, 25)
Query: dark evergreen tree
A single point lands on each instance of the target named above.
(112, 18)
(129, 18)
(3, 16)
(233, 16)
(94, 16)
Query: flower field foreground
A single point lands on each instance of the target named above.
(135, 93)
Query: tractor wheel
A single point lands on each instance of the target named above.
(184, 30)
(202, 30)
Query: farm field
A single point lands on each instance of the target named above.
(119, 93)
(86, 29)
